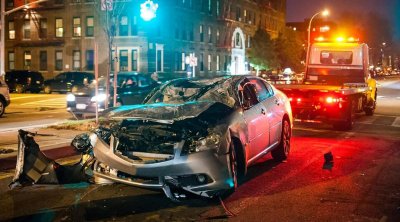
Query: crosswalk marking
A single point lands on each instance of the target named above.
(396, 122)
(368, 120)
(57, 103)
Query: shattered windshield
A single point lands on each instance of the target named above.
(186, 90)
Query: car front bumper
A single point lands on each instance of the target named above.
(181, 170)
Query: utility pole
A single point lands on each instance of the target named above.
(3, 28)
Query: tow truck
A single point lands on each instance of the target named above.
(337, 84)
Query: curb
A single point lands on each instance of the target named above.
(42, 148)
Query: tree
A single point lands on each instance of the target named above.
(262, 54)
(289, 50)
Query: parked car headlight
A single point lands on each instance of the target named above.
(71, 98)
(99, 98)
(204, 143)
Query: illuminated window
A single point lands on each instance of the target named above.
(76, 57)
(43, 28)
(43, 60)
(183, 61)
(59, 27)
(27, 59)
(217, 8)
(123, 25)
(209, 35)
(27, 29)
(134, 60)
(217, 37)
(77, 32)
(218, 63)
(59, 60)
(11, 30)
(11, 60)
(209, 62)
(134, 30)
(201, 33)
(209, 7)
(89, 26)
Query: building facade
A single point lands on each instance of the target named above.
(60, 35)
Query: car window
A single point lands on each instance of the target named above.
(143, 82)
(261, 90)
(61, 76)
(269, 88)
(247, 91)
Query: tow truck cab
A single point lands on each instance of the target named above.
(337, 84)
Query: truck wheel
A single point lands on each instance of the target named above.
(370, 109)
(281, 153)
(348, 123)
(2, 107)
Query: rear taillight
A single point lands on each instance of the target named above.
(331, 99)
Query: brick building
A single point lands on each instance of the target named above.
(59, 35)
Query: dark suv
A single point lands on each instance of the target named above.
(67, 82)
(4, 96)
(132, 88)
(21, 81)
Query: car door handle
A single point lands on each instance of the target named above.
(263, 111)
(277, 102)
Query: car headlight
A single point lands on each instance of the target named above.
(71, 98)
(204, 143)
(99, 98)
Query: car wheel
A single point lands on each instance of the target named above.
(234, 167)
(47, 89)
(19, 89)
(2, 107)
(369, 111)
(281, 153)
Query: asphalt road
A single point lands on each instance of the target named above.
(362, 183)
(34, 110)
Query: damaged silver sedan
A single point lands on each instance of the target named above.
(197, 135)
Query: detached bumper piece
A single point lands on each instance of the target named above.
(34, 167)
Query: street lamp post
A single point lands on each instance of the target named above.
(3, 29)
(324, 13)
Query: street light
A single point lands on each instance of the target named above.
(3, 28)
(323, 13)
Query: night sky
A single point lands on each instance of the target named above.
(298, 10)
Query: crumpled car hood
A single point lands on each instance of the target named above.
(160, 112)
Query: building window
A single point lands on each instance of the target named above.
(27, 59)
(59, 27)
(123, 60)
(43, 28)
(159, 60)
(209, 35)
(11, 30)
(183, 62)
(43, 60)
(209, 62)
(27, 29)
(218, 68)
(209, 7)
(123, 26)
(244, 15)
(10, 3)
(177, 62)
(184, 35)
(238, 14)
(58, 2)
(191, 34)
(201, 62)
(11, 60)
(134, 30)
(217, 8)
(89, 26)
(201, 33)
(134, 60)
(77, 32)
(217, 37)
(177, 32)
(226, 63)
(76, 57)
(90, 60)
(59, 60)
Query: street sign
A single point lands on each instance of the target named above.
(106, 5)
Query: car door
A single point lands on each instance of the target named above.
(275, 113)
(255, 119)
(59, 82)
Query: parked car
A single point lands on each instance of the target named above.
(4, 96)
(21, 81)
(67, 82)
(190, 134)
(132, 88)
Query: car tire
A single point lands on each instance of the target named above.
(369, 111)
(2, 107)
(19, 89)
(348, 123)
(281, 152)
(47, 89)
(233, 164)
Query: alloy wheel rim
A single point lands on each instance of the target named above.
(286, 137)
